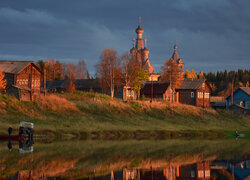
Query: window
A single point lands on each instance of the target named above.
(192, 94)
(203, 85)
(238, 102)
(207, 173)
(200, 95)
(200, 174)
(206, 95)
(248, 105)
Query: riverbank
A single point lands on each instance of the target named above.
(82, 114)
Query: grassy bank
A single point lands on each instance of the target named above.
(83, 114)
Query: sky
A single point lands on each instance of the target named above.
(211, 35)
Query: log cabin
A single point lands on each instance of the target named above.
(157, 90)
(23, 79)
(194, 92)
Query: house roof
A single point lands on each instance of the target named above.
(13, 67)
(192, 84)
(246, 90)
(158, 88)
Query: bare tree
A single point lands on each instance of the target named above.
(108, 70)
(81, 70)
(69, 74)
(53, 70)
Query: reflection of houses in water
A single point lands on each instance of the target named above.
(195, 171)
(131, 173)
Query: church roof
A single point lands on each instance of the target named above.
(175, 55)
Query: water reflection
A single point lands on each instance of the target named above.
(127, 160)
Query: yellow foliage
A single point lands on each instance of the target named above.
(2, 81)
(190, 75)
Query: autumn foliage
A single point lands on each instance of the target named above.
(2, 81)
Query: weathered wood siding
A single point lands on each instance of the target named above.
(185, 97)
(30, 77)
(203, 96)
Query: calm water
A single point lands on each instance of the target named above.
(124, 160)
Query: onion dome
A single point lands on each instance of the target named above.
(145, 50)
(139, 30)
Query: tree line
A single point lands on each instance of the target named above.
(222, 82)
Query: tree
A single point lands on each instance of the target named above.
(170, 72)
(2, 81)
(53, 70)
(41, 64)
(134, 75)
(141, 76)
(190, 75)
(108, 70)
(201, 75)
(81, 70)
(69, 74)
(88, 76)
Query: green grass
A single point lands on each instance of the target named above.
(82, 113)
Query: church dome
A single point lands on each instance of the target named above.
(139, 30)
(145, 51)
(132, 51)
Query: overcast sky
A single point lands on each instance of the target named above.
(211, 35)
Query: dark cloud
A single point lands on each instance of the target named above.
(211, 35)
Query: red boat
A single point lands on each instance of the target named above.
(12, 138)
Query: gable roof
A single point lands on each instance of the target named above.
(246, 90)
(192, 84)
(158, 88)
(13, 67)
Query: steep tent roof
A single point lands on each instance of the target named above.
(13, 67)
(191, 84)
(158, 88)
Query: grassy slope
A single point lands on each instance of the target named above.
(81, 111)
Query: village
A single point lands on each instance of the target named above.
(124, 90)
(130, 77)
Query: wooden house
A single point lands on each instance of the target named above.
(23, 79)
(194, 92)
(241, 100)
(157, 90)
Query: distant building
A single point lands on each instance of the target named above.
(194, 92)
(156, 90)
(218, 102)
(241, 100)
(59, 86)
(23, 79)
